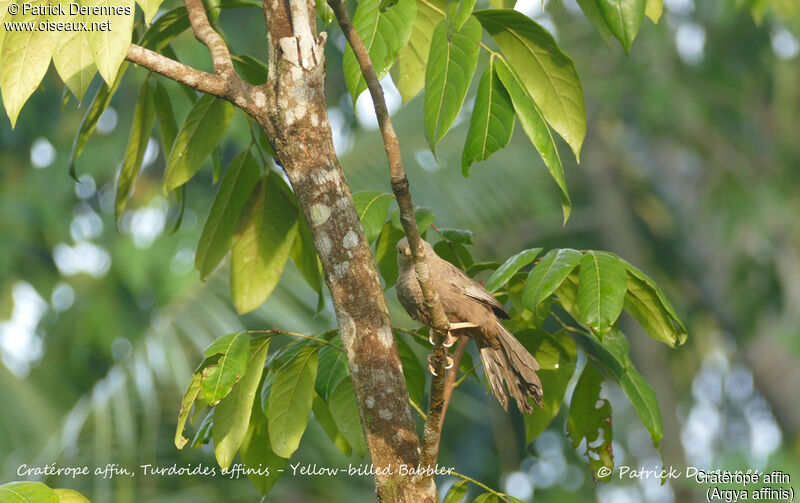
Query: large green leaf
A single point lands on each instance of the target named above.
(624, 18)
(25, 57)
(262, 245)
(451, 64)
(492, 120)
(200, 133)
(503, 273)
(530, 117)
(386, 253)
(27, 492)
(332, 368)
(383, 34)
(592, 12)
(643, 303)
(232, 415)
(461, 13)
(654, 9)
(557, 356)
(456, 492)
(167, 126)
(601, 290)
(73, 58)
(647, 288)
(70, 496)
(290, 401)
(191, 394)
(372, 209)
(143, 119)
(588, 421)
(149, 8)
(216, 239)
(110, 46)
(323, 416)
(545, 71)
(342, 404)
(219, 377)
(413, 57)
(256, 452)
(304, 256)
(413, 372)
(547, 276)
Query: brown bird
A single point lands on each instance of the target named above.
(471, 308)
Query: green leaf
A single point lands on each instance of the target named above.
(256, 452)
(219, 378)
(168, 26)
(304, 256)
(451, 63)
(647, 284)
(624, 18)
(218, 233)
(456, 254)
(557, 356)
(262, 245)
(530, 117)
(149, 8)
(332, 368)
(456, 492)
(251, 69)
(643, 303)
(383, 34)
(592, 12)
(342, 404)
(372, 208)
(143, 119)
(324, 418)
(290, 401)
(232, 415)
(191, 394)
(110, 46)
(601, 290)
(545, 71)
(413, 372)
(424, 217)
(200, 133)
(502, 4)
(487, 498)
(412, 59)
(547, 276)
(325, 12)
(457, 236)
(27, 492)
(70, 496)
(653, 9)
(568, 296)
(386, 253)
(26, 57)
(203, 434)
(503, 273)
(73, 58)
(462, 12)
(492, 120)
(167, 126)
(587, 421)
(638, 391)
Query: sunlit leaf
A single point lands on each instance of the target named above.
(624, 18)
(191, 394)
(412, 59)
(503, 273)
(546, 73)
(290, 401)
(218, 233)
(654, 9)
(323, 416)
(601, 290)
(530, 117)
(110, 45)
(196, 139)
(462, 12)
(232, 414)
(386, 253)
(592, 12)
(451, 63)
(219, 377)
(456, 492)
(144, 117)
(383, 34)
(27, 492)
(73, 58)
(545, 278)
(591, 423)
(256, 452)
(70, 496)
(372, 208)
(492, 120)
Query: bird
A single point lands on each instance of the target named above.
(472, 309)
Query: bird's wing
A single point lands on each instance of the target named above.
(477, 292)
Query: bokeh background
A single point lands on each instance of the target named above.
(690, 170)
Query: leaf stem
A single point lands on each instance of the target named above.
(275, 331)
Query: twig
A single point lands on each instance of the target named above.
(274, 331)
(450, 379)
(419, 410)
(205, 33)
(399, 181)
(467, 374)
(479, 484)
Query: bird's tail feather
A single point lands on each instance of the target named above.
(512, 363)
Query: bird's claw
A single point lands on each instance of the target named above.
(448, 365)
(451, 339)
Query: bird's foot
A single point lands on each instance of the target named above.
(451, 339)
(448, 365)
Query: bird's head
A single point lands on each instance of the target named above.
(404, 252)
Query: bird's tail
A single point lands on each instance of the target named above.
(512, 363)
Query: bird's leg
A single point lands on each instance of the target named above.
(447, 366)
(451, 339)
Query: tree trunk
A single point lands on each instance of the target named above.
(295, 118)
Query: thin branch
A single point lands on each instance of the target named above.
(419, 410)
(399, 181)
(502, 496)
(467, 374)
(274, 331)
(450, 379)
(186, 75)
(205, 33)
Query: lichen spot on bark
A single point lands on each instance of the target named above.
(260, 99)
(385, 336)
(370, 401)
(340, 269)
(320, 214)
(350, 239)
(324, 245)
(385, 414)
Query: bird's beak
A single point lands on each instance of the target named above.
(407, 251)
